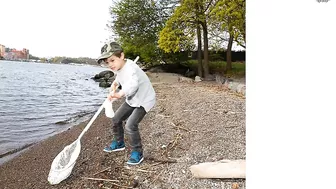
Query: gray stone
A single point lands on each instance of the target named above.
(100, 80)
(103, 73)
(198, 79)
(190, 73)
(210, 77)
(240, 88)
(220, 79)
(111, 79)
(107, 76)
(105, 84)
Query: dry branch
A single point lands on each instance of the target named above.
(107, 180)
(102, 171)
(140, 170)
(100, 179)
(162, 160)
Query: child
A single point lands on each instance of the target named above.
(139, 96)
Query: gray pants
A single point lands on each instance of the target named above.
(134, 116)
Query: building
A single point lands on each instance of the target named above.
(2, 50)
(13, 54)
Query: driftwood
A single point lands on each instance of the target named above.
(220, 169)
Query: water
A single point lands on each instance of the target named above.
(38, 100)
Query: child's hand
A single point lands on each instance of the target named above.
(110, 96)
(114, 86)
(113, 95)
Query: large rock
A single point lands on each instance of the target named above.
(111, 79)
(235, 86)
(105, 78)
(190, 73)
(220, 79)
(105, 84)
(106, 72)
(100, 80)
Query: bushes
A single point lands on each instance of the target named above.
(238, 68)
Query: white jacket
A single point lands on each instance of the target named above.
(136, 85)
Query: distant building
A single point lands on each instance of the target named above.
(13, 54)
(2, 50)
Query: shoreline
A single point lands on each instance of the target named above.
(8, 156)
(211, 142)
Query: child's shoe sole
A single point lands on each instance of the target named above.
(130, 163)
(116, 150)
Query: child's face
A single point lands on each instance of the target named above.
(115, 63)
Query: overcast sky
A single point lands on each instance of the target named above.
(74, 28)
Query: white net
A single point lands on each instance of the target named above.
(63, 163)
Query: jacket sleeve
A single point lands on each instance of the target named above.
(132, 85)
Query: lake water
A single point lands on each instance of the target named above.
(38, 100)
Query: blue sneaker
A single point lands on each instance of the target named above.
(115, 146)
(136, 158)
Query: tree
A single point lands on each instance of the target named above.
(179, 30)
(33, 57)
(176, 36)
(137, 23)
(231, 15)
